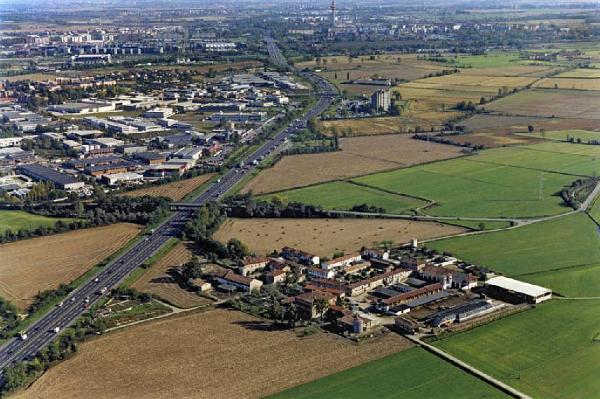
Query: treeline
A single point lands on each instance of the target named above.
(367, 209)
(107, 210)
(9, 317)
(442, 139)
(203, 225)
(246, 206)
(59, 227)
(577, 192)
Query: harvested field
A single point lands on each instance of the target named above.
(496, 130)
(395, 124)
(326, 236)
(157, 280)
(514, 70)
(175, 191)
(339, 70)
(359, 156)
(518, 124)
(581, 73)
(217, 354)
(465, 81)
(569, 84)
(43, 263)
(548, 102)
(37, 77)
(302, 170)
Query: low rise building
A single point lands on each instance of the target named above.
(43, 173)
(251, 264)
(508, 288)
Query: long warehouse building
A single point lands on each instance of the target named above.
(43, 173)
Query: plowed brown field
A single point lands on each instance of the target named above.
(216, 354)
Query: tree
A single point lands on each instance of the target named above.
(277, 312)
(321, 305)
(291, 315)
(193, 268)
(530, 128)
(236, 249)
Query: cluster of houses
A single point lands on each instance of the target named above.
(363, 291)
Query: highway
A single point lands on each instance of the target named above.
(41, 332)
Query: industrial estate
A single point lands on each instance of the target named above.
(314, 199)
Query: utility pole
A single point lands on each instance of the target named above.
(541, 192)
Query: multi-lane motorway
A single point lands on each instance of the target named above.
(42, 332)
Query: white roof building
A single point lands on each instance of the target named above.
(534, 293)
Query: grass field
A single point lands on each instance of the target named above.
(567, 242)
(546, 157)
(491, 60)
(463, 187)
(215, 354)
(359, 156)
(175, 191)
(550, 102)
(324, 237)
(548, 352)
(583, 281)
(38, 264)
(564, 135)
(344, 195)
(21, 220)
(413, 373)
(157, 281)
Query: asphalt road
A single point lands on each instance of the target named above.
(41, 333)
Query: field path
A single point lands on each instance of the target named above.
(468, 368)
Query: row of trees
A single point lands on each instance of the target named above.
(443, 139)
(247, 206)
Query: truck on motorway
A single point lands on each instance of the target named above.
(22, 335)
(56, 330)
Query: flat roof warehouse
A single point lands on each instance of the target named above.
(534, 292)
(43, 173)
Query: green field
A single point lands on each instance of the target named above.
(576, 282)
(548, 352)
(491, 60)
(595, 211)
(568, 158)
(344, 195)
(413, 373)
(21, 220)
(567, 242)
(462, 187)
(563, 135)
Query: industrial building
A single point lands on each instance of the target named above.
(381, 101)
(43, 173)
(515, 290)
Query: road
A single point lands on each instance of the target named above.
(41, 333)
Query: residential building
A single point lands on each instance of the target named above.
(251, 264)
(341, 262)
